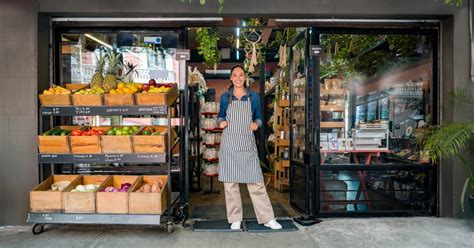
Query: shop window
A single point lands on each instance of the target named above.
(375, 94)
(151, 53)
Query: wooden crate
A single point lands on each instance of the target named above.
(282, 142)
(82, 202)
(55, 144)
(87, 100)
(87, 144)
(117, 143)
(148, 203)
(284, 103)
(118, 99)
(115, 202)
(282, 186)
(76, 87)
(151, 143)
(282, 164)
(42, 199)
(55, 99)
(157, 98)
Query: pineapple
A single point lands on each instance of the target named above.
(110, 80)
(97, 78)
(131, 70)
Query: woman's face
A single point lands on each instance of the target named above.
(238, 77)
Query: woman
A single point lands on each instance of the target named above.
(239, 116)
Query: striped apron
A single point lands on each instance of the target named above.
(238, 157)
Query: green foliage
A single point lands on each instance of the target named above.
(448, 140)
(451, 140)
(453, 2)
(207, 39)
(346, 55)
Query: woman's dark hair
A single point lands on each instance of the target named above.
(231, 86)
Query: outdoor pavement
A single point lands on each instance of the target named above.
(341, 232)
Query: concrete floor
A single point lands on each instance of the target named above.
(370, 232)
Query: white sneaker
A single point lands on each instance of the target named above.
(273, 224)
(236, 225)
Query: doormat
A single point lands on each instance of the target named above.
(213, 226)
(252, 226)
(218, 212)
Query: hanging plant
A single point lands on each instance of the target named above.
(252, 43)
(203, 2)
(453, 2)
(207, 39)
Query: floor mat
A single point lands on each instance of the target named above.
(213, 226)
(218, 212)
(253, 226)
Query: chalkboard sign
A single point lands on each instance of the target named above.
(82, 110)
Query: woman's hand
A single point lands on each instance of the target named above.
(253, 126)
(223, 124)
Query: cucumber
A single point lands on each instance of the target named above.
(57, 132)
(64, 132)
(49, 132)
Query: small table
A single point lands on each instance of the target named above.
(211, 189)
(369, 154)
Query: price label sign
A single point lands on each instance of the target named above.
(82, 110)
(113, 158)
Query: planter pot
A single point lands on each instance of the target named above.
(471, 202)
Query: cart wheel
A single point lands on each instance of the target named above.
(37, 229)
(177, 213)
(169, 227)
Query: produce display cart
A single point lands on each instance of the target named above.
(42, 218)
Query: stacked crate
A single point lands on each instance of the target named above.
(282, 143)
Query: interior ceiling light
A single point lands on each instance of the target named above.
(98, 41)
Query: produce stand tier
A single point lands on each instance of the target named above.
(93, 218)
(102, 158)
(103, 110)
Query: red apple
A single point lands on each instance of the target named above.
(146, 87)
(152, 82)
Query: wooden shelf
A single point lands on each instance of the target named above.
(332, 124)
(332, 91)
(284, 142)
(284, 103)
(332, 108)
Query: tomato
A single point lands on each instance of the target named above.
(87, 133)
(94, 132)
(101, 132)
(76, 132)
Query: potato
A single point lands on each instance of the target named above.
(154, 188)
(146, 188)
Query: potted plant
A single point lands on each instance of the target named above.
(452, 140)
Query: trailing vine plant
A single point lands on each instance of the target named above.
(203, 2)
(207, 39)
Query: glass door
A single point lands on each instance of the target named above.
(299, 170)
(375, 92)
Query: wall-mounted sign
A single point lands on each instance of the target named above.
(152, 40)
